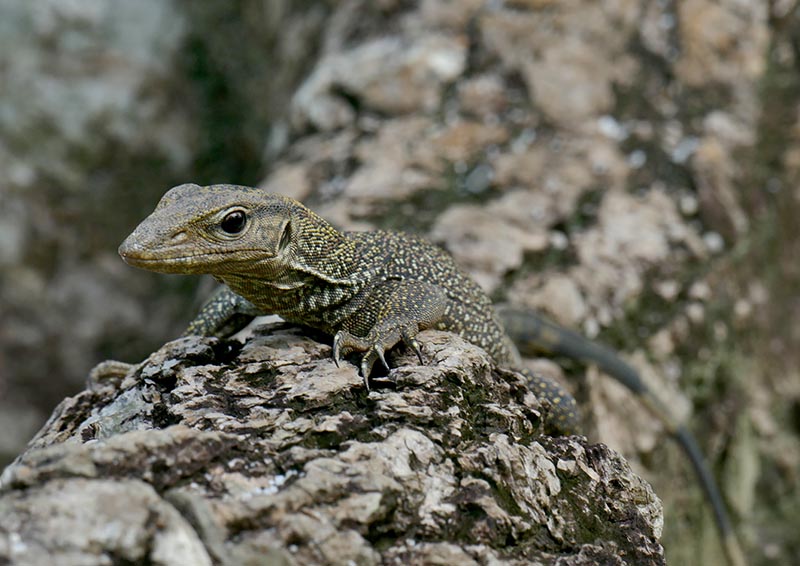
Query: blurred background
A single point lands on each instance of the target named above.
(628, 167)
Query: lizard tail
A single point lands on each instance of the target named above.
(534, 334)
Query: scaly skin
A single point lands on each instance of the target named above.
(369, 290)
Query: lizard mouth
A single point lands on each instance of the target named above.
(135, 259)
(183, 263)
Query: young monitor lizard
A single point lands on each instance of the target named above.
(369, 290)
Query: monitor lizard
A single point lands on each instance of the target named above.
(369, 290)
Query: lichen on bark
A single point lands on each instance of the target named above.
(266, 446)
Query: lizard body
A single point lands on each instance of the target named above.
(370, 290)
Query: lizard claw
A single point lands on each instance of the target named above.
(374, 354)
(414, 345)
(409, 339)
(378, 349)
(374, 346)
(343, 344)
(337, 348)
(365, 371)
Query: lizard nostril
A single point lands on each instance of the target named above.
(178, 237)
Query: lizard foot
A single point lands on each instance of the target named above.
(381, 339)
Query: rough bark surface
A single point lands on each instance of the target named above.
(214, 452)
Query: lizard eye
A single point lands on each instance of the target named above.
(234, 222)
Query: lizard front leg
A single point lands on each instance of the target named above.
(223, 314)
(399, 309)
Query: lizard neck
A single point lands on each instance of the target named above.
(304, 298)
(315, 255)
(321, 271)
(322, 252)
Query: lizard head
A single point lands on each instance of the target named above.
(219, 229)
